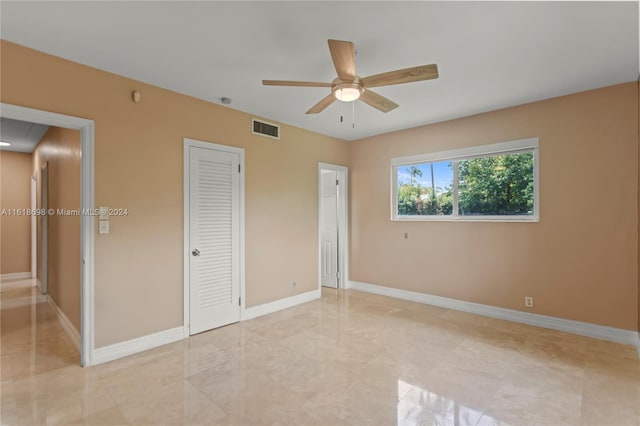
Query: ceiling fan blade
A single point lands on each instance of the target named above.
(322, 105)
(378, 101)
(343, 55)
(294, 83)
(407, 75)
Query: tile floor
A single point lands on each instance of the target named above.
(348, 359)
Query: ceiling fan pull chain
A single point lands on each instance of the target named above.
(341, 110)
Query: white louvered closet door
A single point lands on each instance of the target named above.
(214, 227)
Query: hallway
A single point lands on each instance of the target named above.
(34, 349)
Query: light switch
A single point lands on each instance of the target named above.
(104, 214)
(104, 227)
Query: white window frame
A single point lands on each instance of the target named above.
(511, 147)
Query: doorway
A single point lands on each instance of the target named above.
(34, 238)
(44, 229)
(332, 225)
(86, 129)
(214, 241)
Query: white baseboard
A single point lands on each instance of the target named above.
(67, 326)
(13, 284)
(133, 346)
(612, 334)
(15, 276)
(139, 344)
(278, 305)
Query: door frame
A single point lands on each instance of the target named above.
(44, 230)
(188, 143)
(87, 141)
(343, 223)
(34, 236)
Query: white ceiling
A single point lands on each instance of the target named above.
(490, 55)
(22, 135)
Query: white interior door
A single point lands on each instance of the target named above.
(329, 228)
(214, 232)
(34, 228)
(44, 229)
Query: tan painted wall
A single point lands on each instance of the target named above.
(15, 193)
(60, 150)
(579, 262)
(138, 165)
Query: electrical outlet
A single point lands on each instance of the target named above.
(528, 302)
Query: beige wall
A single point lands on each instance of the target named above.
(138, 166)
(15, 231)
(579, 262)
(59, 149)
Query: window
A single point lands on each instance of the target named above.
(497, 182)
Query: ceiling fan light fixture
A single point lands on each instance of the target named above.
(347, 92)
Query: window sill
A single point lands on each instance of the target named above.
(516, 219)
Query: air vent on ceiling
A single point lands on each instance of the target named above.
(265, 129)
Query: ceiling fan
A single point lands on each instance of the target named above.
(348, 86)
